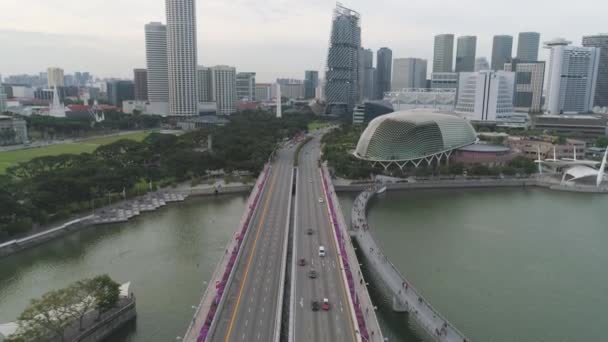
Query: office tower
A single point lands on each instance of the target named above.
(486, 95)
(367, 74)
(204, 87)
(140, 78)
(55, 77)
(290, 88)
(481, 64)
(342, 76)
(223, 84)
(119, 91)
(311, 81)
(181, 57)
(466, 48)
(156, 61)
(501, 51)
(572, 77)
(263, 91)
(2, 100)
(384, 71)
(444, 80)
(279, 101)
(409, 73)
(529, 82)
(82, 78)
(600, 41)
(444, 53)
(527, 46)
(245, 86)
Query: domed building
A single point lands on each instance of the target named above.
(413, 136)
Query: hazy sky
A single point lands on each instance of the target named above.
(275, 38)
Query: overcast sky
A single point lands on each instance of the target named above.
(275, 38)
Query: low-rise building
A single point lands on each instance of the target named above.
(581, 126)
(484, 154)
(531, 147)
(13, 131)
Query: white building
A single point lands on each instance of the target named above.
(182, 57)
(23, 92)
(223, 84)
(156, 61)
(408, 73)
(55, 77)
(486, 95)
(442, 99)
(572, 77)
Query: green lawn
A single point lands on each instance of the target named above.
(10, 158)
(316, 125)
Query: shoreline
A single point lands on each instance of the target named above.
(84, 221)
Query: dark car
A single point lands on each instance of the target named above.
(310, 231)
(302, 262)
(312, 274)
(315, 305)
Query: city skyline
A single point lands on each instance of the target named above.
(224, 43)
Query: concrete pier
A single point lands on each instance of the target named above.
(405, 297)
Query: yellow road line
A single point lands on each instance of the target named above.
(345, 294)
(255, 242)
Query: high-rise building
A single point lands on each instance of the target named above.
(572, 77)
(156, 60)
(342, 76)
(600, 41)
(245, 86)
(443, 58)
(182, 57)
(367, 74)
(311, 82)
(384, 71)
(140, 78)
(486, 95)
(204, 87)
(444, 80)
(223, 83)
(529, 82)
(290, 88)
(466, 47)
(409, 73)
(55, 77)
(2, 100)
(528, 44)
(502, 50)
(481, 64)
(119, 91)
(263, 91)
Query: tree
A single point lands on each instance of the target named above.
(106, 292)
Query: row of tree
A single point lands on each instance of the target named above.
(50, 315)
(51, 188)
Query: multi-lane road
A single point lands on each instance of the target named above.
(251, 308)
(335, 325)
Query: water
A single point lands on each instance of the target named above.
(502, 265)
(167, 255)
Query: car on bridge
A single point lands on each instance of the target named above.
(321, 200)
(326, 306)
(302, 262)
(312, 274)
(310, 231)
(321, 251)
(315, 305)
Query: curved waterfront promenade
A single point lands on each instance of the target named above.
(405, 297)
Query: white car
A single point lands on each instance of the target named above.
(320, 199)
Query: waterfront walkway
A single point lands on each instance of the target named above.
(405, 297)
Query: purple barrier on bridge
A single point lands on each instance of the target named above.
(221, 287)
(349, 277)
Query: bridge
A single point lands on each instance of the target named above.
(259, 291)
(405, 297)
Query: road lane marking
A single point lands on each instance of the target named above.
(251, 254)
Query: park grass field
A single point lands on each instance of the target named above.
(10, 158)
(313, 126)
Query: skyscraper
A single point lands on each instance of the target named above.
(245, 86)
(465, 53)
(119, 91)
(527, 46)
(529, 82)
(409, 73)
(156, 61)
(501, 51)
(600, 41)
(140, 78)
(342, 76)
(443, 53)
(367, 74)
(481, 64)
(223, 84)
(311, 81)
(55, 77)
(384, 71)
(572, 77)
(204, 87)
(182, 57)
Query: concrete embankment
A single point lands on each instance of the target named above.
(405, 297)
(119, 212)
(448, 184)
(109, 323)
